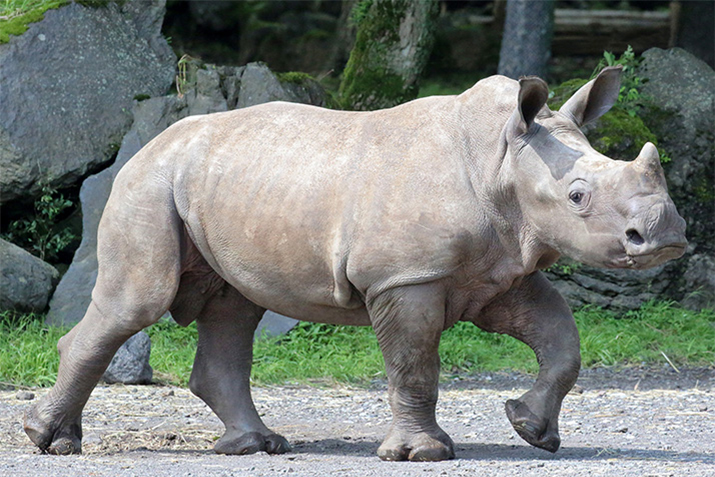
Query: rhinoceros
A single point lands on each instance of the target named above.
(408, 219)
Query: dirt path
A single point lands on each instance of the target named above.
(635, 423)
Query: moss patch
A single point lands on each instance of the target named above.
(295, 77)
(368, 82)
(21, 17)
(620, 135)
(561, 93)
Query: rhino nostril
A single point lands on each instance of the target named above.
(634, 237)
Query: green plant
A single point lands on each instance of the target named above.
(564, 266)
(187, 66)
(629, 96)
(39, 234)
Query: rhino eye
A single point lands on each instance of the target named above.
(576, 197)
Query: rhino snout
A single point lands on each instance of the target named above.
(655, 237)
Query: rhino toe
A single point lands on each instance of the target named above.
(277, 444)
(250, 443)
(65, 445)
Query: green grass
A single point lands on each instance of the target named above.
(28, 350)
(317, 353)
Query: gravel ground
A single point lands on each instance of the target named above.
(628, 423)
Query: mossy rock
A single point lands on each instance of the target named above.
(619, 135)
(295, 77)
(18, 24)
(377, 74)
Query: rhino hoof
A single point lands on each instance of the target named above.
(250, 443)
(49, 439)
(424, 448)
(65, 445)
(530, 428)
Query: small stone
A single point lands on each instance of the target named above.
(91, 439)
(169, 394)
(576, 390)
(622, 430)
(25, 396)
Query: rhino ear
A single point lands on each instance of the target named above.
(595, 98)
(533, 93)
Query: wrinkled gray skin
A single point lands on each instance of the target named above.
(407, 219)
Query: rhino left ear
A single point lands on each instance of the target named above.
(533, 93)
(595, 98)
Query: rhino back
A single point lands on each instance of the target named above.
(295, 204)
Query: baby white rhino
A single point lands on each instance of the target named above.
(407, 220)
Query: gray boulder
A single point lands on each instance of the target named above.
(617, 290)
(67, 86)
(700, 282)
(130, 364)
(26, 282)
(212, 89)
(682, 90)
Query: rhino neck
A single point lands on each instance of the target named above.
(485, 110)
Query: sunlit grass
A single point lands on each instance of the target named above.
(332, 353)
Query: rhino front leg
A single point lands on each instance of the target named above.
(535, 313)
(222, 369)
(408, 322)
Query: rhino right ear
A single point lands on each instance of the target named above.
(595, 98)
(533, 93)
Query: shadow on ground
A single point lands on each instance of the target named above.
(630, 378)
(506, 453)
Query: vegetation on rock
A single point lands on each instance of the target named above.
(17, 15)
(39, 234)
(384, 67)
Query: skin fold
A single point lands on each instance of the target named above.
(407, 220)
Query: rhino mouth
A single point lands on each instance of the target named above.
(650, 259)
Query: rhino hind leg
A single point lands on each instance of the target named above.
(408, 323)
(222, 369)
(137, 280)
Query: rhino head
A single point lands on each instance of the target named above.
(599, 211)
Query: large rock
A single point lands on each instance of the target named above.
(682, 89)
(700, 282)
(212, 89)
(616, 290)
(130, 364)
(67, 86)
(26, 282)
